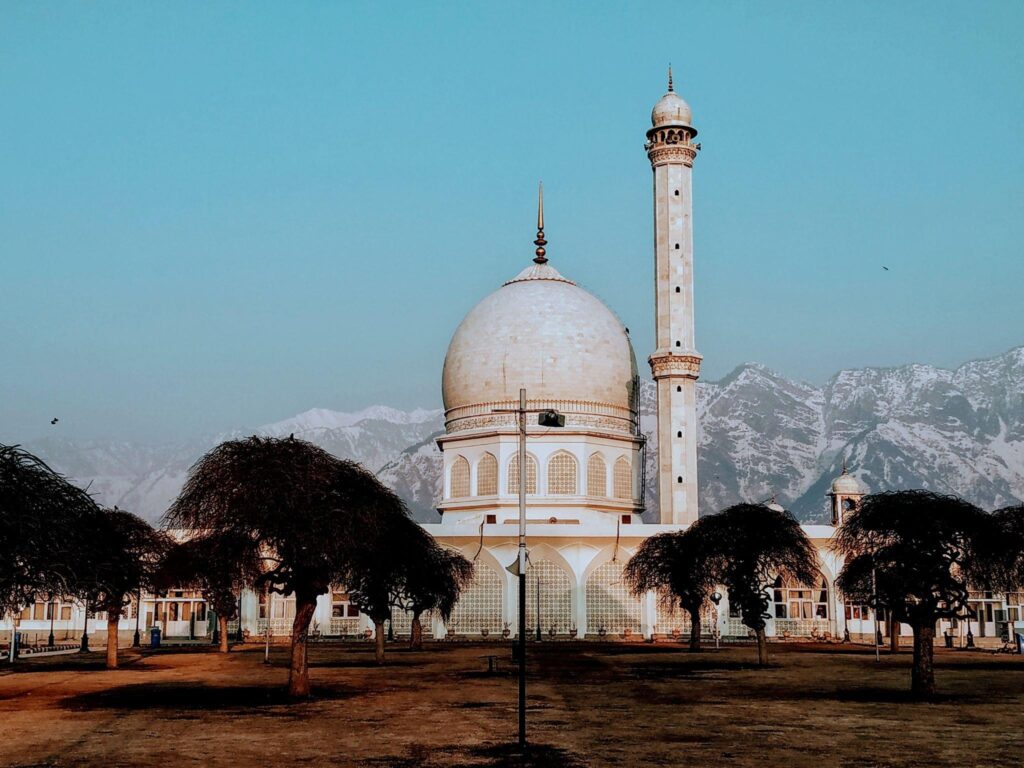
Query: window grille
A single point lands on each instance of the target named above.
(562, 474)
(622, 479)
(479, 605)
(460, 478)
(609, 603)
(554, 586)
(800, 601)
(531, 474)
(597, 476)
(487, 476)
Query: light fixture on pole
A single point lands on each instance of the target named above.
(716, 598)
(547, 418)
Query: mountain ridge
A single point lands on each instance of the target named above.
(761, 435)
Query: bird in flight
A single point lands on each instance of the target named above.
(54, 420)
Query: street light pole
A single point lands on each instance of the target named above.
(53, 610)
(874, 611)
(522, 568)
(547, 418)
(137, 640)
(85, 630)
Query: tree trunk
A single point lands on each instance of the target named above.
(416, 634)
(922, 676)
(298, 673)
(695, 629)
(894, 635)
(113, 619)
(762, 647)
(222, 622)
(378, 639)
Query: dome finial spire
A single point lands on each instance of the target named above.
(540, 242)
(670, 88)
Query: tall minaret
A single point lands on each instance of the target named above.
(675, 363)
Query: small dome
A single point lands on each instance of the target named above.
(847, 485)
(543, 332)
(671, 110)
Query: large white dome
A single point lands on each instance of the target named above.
(543, 332)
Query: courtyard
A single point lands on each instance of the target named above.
(589, 704)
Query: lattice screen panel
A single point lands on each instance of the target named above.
(460, 478)
(622, 479)
(555, 597)
(597, 476)
(562, 474)
(609, 603)
(479, 605)
(487, 476)
(531, 474)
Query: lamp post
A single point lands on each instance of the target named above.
(85, 630)
(716, 598)
(874, 611)
(546, 418)
(539, 636)
(137, 640)
(53, 610)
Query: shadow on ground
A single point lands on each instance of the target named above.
(197, 696)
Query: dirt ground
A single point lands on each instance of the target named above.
(589, 705)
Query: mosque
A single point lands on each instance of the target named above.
(543, 333)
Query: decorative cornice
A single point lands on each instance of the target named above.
(662, 155)
(667, 366)
(583, 414)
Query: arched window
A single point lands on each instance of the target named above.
(562, 474)
(487, 475)
(622, 480)
(460, 478)
(800, 601)
(597, 476)
(531, 474)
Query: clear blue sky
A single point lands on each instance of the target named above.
(214, 215)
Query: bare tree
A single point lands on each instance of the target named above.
(119, 552)
(681, 567)
(219, 566)
(39, 518)
(751, 544)
(306, 514)
(922, 550)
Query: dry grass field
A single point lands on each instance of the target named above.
(590, 705)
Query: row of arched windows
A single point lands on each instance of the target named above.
(562, 476)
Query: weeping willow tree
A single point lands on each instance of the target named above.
(918, 552)
(749, 545)
(119, 553)
(307, 517)
(433, 579)
(219, 566)
(41, 518)
(681, 567)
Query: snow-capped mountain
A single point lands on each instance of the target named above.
(761, 435)
(145, 478)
